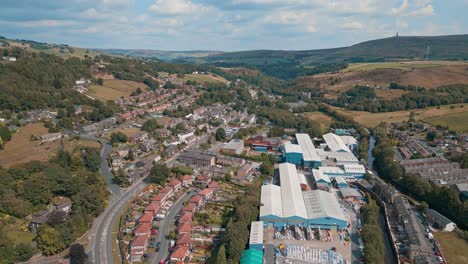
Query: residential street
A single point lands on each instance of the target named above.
(165, 227)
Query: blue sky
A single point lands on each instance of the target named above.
(227, 25)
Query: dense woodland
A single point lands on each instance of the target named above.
(31, 187)
(363, 98)
(371, 234)
(441, 198)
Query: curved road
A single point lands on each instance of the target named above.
(166, 227)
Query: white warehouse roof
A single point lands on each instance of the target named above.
(354, 168)
(292, 148)
(331, 170)
(340, 179)
(348, 140)
(318, 175)
(291, 193)
(339, 156)
(321, 204)
(308, 148)
(271, 201)
(335, 143)
(256, 233)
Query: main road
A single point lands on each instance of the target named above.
(165, 227)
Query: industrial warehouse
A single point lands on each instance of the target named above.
(334, 158)
(287, 204)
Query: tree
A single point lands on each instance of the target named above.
(423, 206)
(150, 125)
(78, 254)
(220, 134)
(91, 159)
(5, 133)
(37, 189)
(228, 177)
(159, 173)
(430, 136)
(220, 256)
(100, 81)
(24, 252)
(118, 137)
(172, 235)
(48, 240)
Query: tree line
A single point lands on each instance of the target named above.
(363, 98)
(31, 187)
(371, 234)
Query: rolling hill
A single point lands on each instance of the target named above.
(160, 54)
(452, 47)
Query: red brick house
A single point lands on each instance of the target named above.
(143, 229)
(186, 217)
(167, 190)
(198, 201)
(214, 186)
(153, 208)
(207, 194)
(185, 241)
(204, 180)
(191, 207)
(138, 248)
(160, 198)
(180, 254)
(175, 184)
(187, 180)
(146, 218)
(185, 228)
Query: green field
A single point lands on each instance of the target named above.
(114, 89)
(204, 78)
(404, 66)
(430, 114)
(456, 121)
(20, 236)
(454, 248)
(324, 120)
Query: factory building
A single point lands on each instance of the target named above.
(256, 236)
(351, 171)
(335, 143)
(310, 157)
(289, 205)
(292, 153)
(322, 181)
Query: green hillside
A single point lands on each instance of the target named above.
(160, 54)
(410, 48)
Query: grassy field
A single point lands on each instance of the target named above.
(18, 237)
(430, 114)
(404, 66)
(324, 120)
(456, 121)
(21, 148)
(389, 93)
(127, 131)
(202, 78)
(59, 50)
(114, 89)
(455, 249)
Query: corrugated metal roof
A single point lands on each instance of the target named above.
(354, 168)
(256, 233)
(271, 201)
(308, 148)
(251, 256)
(319, 176)
(335, 143)
(291, 193)
(321, 204)
(292, 148)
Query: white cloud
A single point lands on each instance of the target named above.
(352, 25)
(402, 8)
(176, 7)
(292, 17)
(424, 11)
(46, 23)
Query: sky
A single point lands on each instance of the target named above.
(227, 25)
